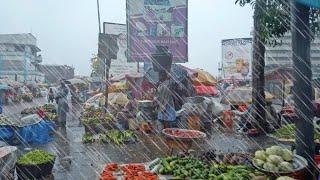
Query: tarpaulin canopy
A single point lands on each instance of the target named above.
(209, 90)
(242, 95)
(204, 78)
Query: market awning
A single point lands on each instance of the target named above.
(209, 90)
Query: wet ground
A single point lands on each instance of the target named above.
(76, 160)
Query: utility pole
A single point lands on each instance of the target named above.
(301, 40)
(99, 22)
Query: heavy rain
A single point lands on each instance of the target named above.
(160, 89)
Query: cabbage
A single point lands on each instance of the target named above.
(258, 162)
(260, 155)
(274, 159)
(274, 150)
(286, 167)
(287, 155)
(284, 178)
(270, 167)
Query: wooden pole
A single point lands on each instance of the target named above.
(301, 40)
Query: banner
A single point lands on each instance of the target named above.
(119, 64)
(237, 58)
(153, 23)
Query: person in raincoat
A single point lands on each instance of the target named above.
(63, 106)
(165, 100)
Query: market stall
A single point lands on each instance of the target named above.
(275, 162)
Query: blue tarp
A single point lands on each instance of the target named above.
(37, 133)
(32, 134)
(311, 3)
(6, 133)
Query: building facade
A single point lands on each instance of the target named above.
(281, 55)
(53, 73)
(19, 58)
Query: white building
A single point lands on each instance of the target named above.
(19, 58)
(281, 55)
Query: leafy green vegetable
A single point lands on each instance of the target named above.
(87, 138)
(120, 137)
(288, 132)
(36, 157)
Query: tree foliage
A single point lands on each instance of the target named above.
(276, 17)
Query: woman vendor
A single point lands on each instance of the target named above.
(165, 100)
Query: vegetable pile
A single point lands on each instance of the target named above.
(51, 116)
(274, 159)
(114, 136)
(95, 116)
(182, 168)
(183, 133)
(36, 157)
(288, 132)
(128, 172)
(120, 137)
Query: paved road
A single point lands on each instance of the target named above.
(78, 161)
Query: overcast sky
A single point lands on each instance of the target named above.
(67, 29)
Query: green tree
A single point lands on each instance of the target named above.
(272, 19)
(95, 66)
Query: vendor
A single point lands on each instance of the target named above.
(63, 106)
(165, 100)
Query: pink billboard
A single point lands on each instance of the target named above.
(153, 23)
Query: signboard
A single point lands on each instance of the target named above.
(237, 58)
(119, 65)
(153, 23)
(311, 3)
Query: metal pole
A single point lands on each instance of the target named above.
(1, 64)
(98, 8)
(301, 40)
(25, 74)
(107, 65)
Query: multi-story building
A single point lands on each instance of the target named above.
(19, 58)
(53, 73)
(281, 55)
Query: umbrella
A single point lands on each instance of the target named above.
(177, 73)
(210, 90)
(242, 95)
(75, 81)
(204, 78)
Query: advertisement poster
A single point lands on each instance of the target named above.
(153, 23)
(237, 58)
(119, 65)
